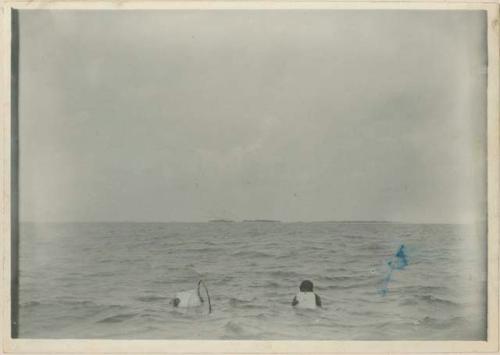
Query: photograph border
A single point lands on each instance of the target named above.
(91, 346)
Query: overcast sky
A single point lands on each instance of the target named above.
(290, 115)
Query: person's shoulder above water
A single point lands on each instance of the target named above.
(318, 300)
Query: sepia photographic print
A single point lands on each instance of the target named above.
(253, 173)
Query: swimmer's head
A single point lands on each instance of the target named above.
(306, 286)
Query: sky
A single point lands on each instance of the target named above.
(271, 114)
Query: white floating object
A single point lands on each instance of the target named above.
(188, 299)
(192, 298)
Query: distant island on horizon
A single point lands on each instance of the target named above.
(222, 220)
(245, 220)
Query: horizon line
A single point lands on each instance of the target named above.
(229, 221)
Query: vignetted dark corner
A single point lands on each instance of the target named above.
(14, 193)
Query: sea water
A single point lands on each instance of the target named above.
(116, 280)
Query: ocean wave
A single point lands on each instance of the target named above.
(106, 273)
(440, 323)
(374, 247)
(408, 302)
(424, 289)
(336, 269)
(284, 274)
(29, 304)
(267, 284)
(201, 249)
(69, 303)
(353, 236)
(340, 278)
(243, 304)
(436, 300)
(354, 284)
(287, 256)
(117, 318)
(252, 254)
(234, 328)
(150, 316)
(151, 298)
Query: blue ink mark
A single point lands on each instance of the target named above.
(401, 258)
(397, 262)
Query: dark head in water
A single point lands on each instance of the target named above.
(306, 286)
